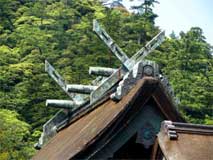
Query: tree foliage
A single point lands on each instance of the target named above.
(188, 63)
(14, 135)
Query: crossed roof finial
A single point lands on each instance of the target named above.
(120, 54)
(83, 97)
(114, 75)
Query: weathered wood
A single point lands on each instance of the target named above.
(137, 123)
(109, 42)
(149, 47)
(137, 101)
(128, 63)
(50, 128)
(77, 88)
(106, 85)
(194, 141)
(101, 71)
(104, 122)
(65, 104)
(62, 83)
(168, 126)
(56, 76)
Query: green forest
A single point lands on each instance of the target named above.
(61, 32)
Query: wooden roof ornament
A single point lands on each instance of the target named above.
(184, 141)
(99, 114)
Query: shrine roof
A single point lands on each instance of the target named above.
(192, 141)
(88, 128)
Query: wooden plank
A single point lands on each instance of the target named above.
(78, 136)
(103, 35)
(105, 86)
(62, 83)
(149, 47)
(57, 77)
(138, 101)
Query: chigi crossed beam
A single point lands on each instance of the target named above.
(127, 62)
(82, 97)
(81, 94)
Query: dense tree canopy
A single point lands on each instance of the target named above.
(14, 135)
(188, 63)
(61, 31)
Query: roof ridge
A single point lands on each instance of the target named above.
(173, 128)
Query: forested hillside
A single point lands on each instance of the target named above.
(61, 32)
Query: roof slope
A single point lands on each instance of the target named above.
(192, 142)
(87, 129)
